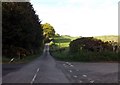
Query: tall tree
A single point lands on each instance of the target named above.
(21, 26)
(48, 31)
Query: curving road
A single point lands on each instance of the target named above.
(47, 70)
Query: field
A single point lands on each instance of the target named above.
(64, 40)
(108, 38)
(60, 50)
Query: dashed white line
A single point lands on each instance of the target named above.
(75, 76)
(70, 71)
(92, 81)
(84, 75)
(38, 69)
(71, 65)
(64, 65)
(35, 76)
(67, 62)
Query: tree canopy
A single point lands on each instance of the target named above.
(21, 27)
(48, 32)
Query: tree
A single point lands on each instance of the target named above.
(89, 44)
(48, 32)
(21, 26)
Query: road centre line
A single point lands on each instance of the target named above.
(34, 77)
(38, 69)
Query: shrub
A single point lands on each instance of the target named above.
(89, 44)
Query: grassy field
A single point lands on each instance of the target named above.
(108, 38)
(63, 41)
(63, 54)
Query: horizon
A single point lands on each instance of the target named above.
(90, 36)
(79, 17)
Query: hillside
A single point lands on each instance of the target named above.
(61, 51)
(63, 40)
(108, 38)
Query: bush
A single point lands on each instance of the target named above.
(84, 56)
(17, 52)
(89, 44)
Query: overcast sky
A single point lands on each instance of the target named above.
(79, 17)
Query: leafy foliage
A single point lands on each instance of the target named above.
(90, 51)
(90, 44)
(48, 31)
(85, 56)
(21, 27)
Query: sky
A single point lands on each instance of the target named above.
(79, 17)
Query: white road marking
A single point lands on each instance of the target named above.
(38, 69)
(84, 75)
(71, 65)
(92, 81)
(70, 71)
(75, 76)
(34, 77)
(67, 62)
(64, 65)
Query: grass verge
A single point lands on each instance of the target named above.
(26, 59)
(83, 56)
(86, 56)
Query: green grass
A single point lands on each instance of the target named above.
(5, 59)
(26, 59)
(63, 41)
(108, 38)
(85, 56)
(29, 58)
(65, 55)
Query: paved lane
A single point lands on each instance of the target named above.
(78, 72)
(42, 70)
(46, 70)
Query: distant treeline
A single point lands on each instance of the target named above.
(22, 33)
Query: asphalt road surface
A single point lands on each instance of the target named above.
(46, 69)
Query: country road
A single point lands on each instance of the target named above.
(46, 69)
(42, 70)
